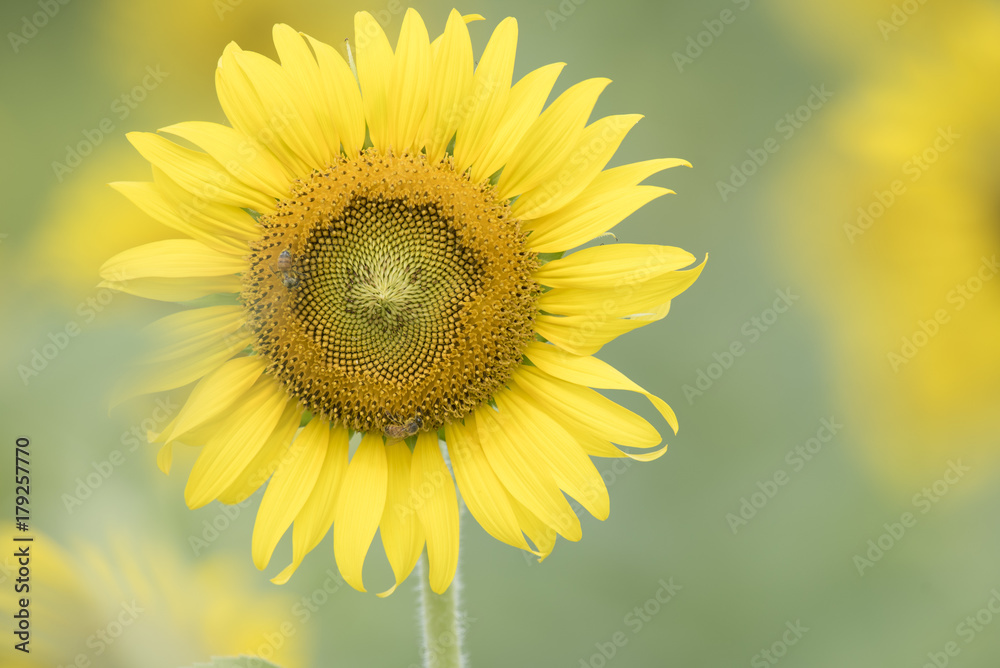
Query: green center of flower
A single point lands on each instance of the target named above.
(389, 293)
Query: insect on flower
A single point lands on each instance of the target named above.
(401, 430)
(289, 277)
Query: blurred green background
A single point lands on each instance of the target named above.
(845, 188)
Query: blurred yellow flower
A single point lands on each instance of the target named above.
(902, 184)
(131, 604)
(393, 288)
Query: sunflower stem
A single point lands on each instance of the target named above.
(442, 622)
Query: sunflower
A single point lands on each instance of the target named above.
(899, 184)
(406, 289)
(124, 601)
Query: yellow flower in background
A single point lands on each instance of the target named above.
(397, 289)
(127, 604)
(901, 184)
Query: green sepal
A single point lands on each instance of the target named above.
(253, 214)
(548, 257)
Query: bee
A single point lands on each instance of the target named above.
(289, 277)
(400, 430)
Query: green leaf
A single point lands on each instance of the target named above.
(235, 662)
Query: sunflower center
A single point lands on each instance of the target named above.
(391, 294)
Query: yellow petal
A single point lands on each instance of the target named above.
(199, 174)
(172, 258)
(540, 534)
(292, 483)
(241, 436)
(592, 411)
(402, 533)
(316, 516)
(408, 84)
(305, 75)
(610, 198)
(153, 201)
(176, 289)
(165, 457)
(449, 87)
(613, 264)
(191, 344)
(597, 144)
(219, 219)
(526, 100)
(590, 372)
(550, 140)
(238, 154)
(346, 107)
(587, 217)
(266, 461)
(466, 19)
(436, 505)
(215, 393)
(558, 452)
(511, 455)
(248, 113)
(186, 332)
(633, 173)
(638, 294)
(595, 446)
(489, 95)
(359, 508)
(375, 64)
(281, 98)
(580, 424)
(484, 494)
(587, 334)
